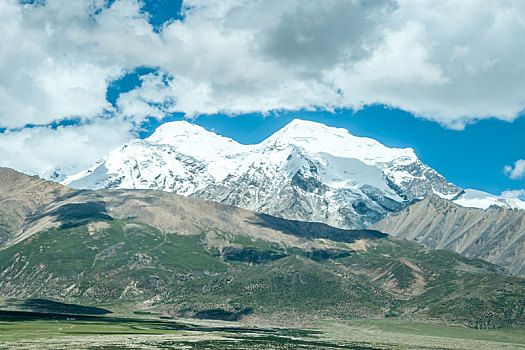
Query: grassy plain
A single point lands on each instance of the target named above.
(54, 331)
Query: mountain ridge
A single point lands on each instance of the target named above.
(305, 171)
(21, 197)
(495, 234)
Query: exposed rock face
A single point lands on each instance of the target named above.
(306, 171)
(496, 234)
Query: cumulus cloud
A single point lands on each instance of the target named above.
(517, 171)
(519, 194)
(39, 149)
(449, 61)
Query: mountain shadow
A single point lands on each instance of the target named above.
(78, 214)
(313, 230)
(50, 306)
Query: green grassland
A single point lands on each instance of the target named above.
(55, 331)
(128, 262)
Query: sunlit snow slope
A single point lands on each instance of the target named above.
(483, 200)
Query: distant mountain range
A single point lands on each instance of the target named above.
(306, 171)
(152, 251)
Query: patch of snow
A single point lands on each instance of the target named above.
(445, 196)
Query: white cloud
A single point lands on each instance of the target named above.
(450, 61)
(443, 60)
(516, 172)
(519, 194)
(39, 149)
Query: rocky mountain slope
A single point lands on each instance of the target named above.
(21, 197)
(306, 171)
(496, 234)
(150, 250)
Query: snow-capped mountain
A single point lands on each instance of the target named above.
(305, 171)
(482, 200)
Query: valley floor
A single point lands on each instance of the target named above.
(29, 331)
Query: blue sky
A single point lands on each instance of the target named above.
(80, 78)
